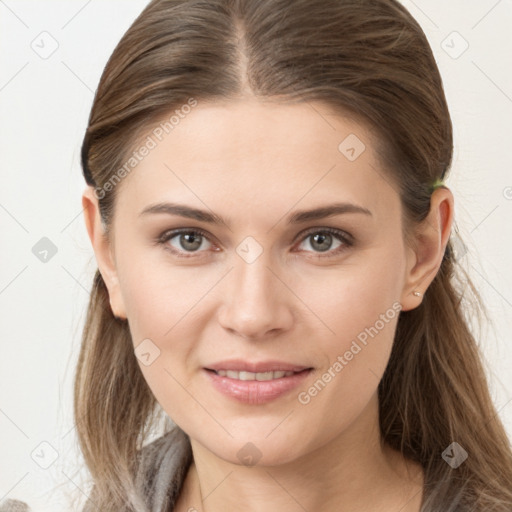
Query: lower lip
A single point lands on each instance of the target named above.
(256, 392)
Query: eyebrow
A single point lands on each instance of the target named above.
(297, 217)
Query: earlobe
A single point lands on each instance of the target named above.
(431, 238)
(102, 247)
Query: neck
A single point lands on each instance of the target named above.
(353, 471)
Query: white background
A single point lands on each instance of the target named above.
(44, 105)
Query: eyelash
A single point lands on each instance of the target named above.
(343, 237)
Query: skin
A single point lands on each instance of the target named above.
(254, 164)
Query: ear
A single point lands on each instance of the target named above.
(103, 250)
(429, 244)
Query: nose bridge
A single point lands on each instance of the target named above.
(253, 280)
(252, 276)
(257, 301)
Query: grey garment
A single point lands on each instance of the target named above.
(14, 506)
(164, 465)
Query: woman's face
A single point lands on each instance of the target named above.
(269, 283)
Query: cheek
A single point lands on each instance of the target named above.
(358, 309)
(157, 294)
(161, 304)
(166, 318)
(349, 298)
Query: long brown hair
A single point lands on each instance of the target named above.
(365, 58)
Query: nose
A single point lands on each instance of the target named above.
(258, 303)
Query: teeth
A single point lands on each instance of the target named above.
(253, 376)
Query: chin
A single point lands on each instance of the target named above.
(257, 448)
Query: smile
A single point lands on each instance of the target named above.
(260, 376)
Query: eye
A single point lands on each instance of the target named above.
(185, 241)
(321, 240)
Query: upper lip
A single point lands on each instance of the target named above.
(256, 367)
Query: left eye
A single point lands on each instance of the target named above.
(321, 241)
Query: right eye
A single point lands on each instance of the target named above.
(185, 241)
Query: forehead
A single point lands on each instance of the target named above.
(250, 154)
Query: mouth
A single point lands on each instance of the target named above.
(256, 383)
(258, 376)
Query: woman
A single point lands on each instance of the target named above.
(266, 204)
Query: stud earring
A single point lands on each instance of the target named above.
(417, 293)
